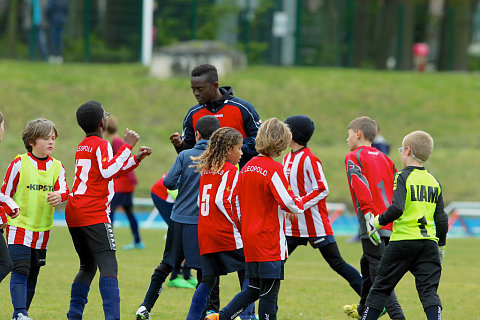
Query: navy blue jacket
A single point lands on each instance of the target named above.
(184, 178)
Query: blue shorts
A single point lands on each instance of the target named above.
(222, 263)
(265, 269)
(37, 257)
(163, 207)
(182, 243)
(315, 242)
(122, 199)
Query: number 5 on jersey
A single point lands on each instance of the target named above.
(205, 204)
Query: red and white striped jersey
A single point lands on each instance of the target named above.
(262, 187)
(18, 235)
(305, 174)
(217, 230)
(93, 190)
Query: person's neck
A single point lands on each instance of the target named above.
(98, 133)
(413, 163)
(363, 143)
(296, 147)
(38, 155)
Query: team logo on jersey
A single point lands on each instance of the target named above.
(228, 189)
(40, 187)
(104, 159)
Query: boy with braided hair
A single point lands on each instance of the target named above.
(221, 247)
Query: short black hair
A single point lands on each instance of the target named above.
(207, 125)
(206, 69)
(89, 115)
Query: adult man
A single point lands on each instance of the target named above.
(221, 103)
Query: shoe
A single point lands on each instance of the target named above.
(179, 282)
(213, 316)
(142, 314)
(20, 316)
(351, 311)
(134, 245)
(192, 281)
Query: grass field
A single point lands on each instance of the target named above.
(311, 290)
(444, 104)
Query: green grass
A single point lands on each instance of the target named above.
(311, 290)
(444, 104)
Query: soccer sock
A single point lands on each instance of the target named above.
(31, 284)
(199, 302)
(371, 313)
(353, 277)
(250, 309)
(155, 287)
(239, 302)
(18, 292)
(433, 312)
(111, 297)
(78, 300)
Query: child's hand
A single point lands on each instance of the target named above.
(15, 212)
(131, 137)
(143, 152)
(176, 139)
(291, 216)
(54, 198)
(3, 226)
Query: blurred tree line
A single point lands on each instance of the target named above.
(343, 33)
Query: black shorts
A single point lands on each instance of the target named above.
(122, 199)
(37, 257)
(222, 263)
(315, 242)
(97, 237)
(265, 269)
(182, 243)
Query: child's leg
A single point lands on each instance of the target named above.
(88, 267)
(108, 283)
(244, 282)
(133, 222)
(267, 306)
(427, 271)
(6, 264)
(244, 298)
(200, 297)
(332, 255)
(393, 266)
(20, 256)
(155, 288)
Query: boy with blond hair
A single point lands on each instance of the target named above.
(419, 233)
(262, 188)
(36, 182)
(370, 178)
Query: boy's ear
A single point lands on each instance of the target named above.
(198, 135)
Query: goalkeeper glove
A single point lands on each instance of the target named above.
(441, 253)
(372, 227)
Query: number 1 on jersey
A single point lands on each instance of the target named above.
(205, 204)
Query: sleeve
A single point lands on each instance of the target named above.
(318, 182)
(188, 132)
(359, 184)
(251, 123)
(61, 185)
(110, 166)
(283, 193)
(223, 198)
(3, 216)
(171, 179)
(441, 221)
(395, 210)
(9, 186)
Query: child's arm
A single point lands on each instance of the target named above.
(441, 221)
(359, 184)
(318, 181)
(171, 179)
(283, 193)
(223, 198)
(9, 188)
(61, 190)
(395, 210)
